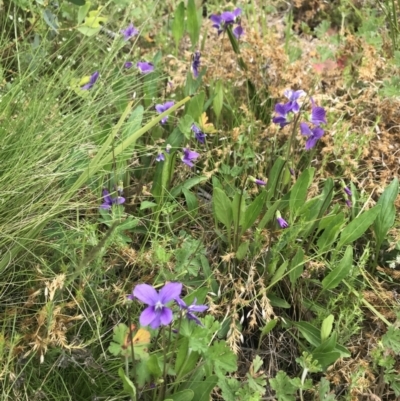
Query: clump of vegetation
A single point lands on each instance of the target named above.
(198, 201)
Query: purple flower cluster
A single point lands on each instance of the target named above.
(143, 66)
(108, 201)
(196, 64)
(157, 312)
(318, 117)
(223, 20)
(92, 80)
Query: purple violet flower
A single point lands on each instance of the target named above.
(313, 134)
(156, 313)
(199, 134)
(92, 80)
(128, 64)
(318, 115)
(348, 191)
(188, 156)
(238, 31)
(108, 201)
(196, 63)
(281, 221)
(293, 96)
(164, 107)
(221, 21)
(191, 309)
(348, 203)
(129, 31)
(281, 111)
(145, 68)
(260, 182)
(160, 157)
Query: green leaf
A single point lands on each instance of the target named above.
(326, 358)
(274, 177)
(387, 213)
(238, 211)
(391, 339)
(298, 194)
(186, 360)
(242, 250)
(87, 31)
(326, 327)
(51, 20)
(196, 104)
(324, 391)
(185, 125)
(296, 266)
(222, 207)
(193, 26)
(268, 327)
(203, 389)
(327, 345)
(82, 12)
(191, 202)
(153, 366)
(313, 336)
(331, 231)
(278, 302)
(279, 273)
(334, 278)
(129, 387)
(184, 395)
(133, 123)
(218, 100)
(147, 205)
(77, 2)
(284, 389)
(253, 211)
(221, 357)
(178, 24)
(358, 226)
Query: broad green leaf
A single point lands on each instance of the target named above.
(334, 278)
(385, 219)
(331, 231)
(192, 26)
(191, 202)
(77, 2)
(296, 266)
(184, 395)
(153, 366)
(358, 226)
(269, 214)
(326, 358)
(238, 211)
(326, 327)
(51, 20)
(274, 177)
(279, 274)
(268, 327)
(147, 205)
(195, 107)
(328, 344)
(222, 207)
(253, 211)
(188, 184)
(218, 100)
(242, 250)
(185, 360)
(178, 25)
(129, 387)
(203, 389)
(298, 194)
(313, 336)
(82, 12)
(278, 302)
